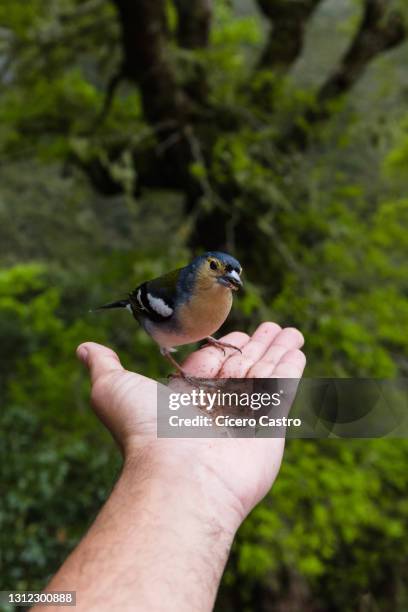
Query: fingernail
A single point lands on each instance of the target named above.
(82, 354)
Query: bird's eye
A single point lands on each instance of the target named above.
(213, 265)
(228, 268)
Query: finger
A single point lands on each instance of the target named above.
(207, 362)
(290, 337)
(286, 340)
(289, 370)
(238, 365)
(291, 365)
(100, 359)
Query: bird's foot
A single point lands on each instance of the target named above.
(193, 381)
(180, 374)
(221, 345)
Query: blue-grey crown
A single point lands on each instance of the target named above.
(188, 274)
(225, 258)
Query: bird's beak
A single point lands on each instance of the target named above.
(232, 280)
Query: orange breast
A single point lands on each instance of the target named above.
(204, 314)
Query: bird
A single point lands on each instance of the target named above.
(186, 305)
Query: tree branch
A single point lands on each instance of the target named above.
(147, 62)
(144, 41)
(285, 41)
(194, 23)
(193, 32)
(112, 86)
(380, 29)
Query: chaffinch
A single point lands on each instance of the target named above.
(186, 305)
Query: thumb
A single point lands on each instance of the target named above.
(99, 359)
(124, 401)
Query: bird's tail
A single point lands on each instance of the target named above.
(118, 304)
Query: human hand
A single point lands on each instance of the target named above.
(163, 536)
(235, 472)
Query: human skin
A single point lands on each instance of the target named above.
(163, 537)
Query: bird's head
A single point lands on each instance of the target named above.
(220, 268)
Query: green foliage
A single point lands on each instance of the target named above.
(358, 497)
(396, 162)
(322, 235)
(47, 430)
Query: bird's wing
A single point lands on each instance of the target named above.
(156, 299)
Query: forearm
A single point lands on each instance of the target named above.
(160, 542)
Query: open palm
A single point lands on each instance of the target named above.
(242, 469)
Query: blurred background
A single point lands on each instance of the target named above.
(136, 134)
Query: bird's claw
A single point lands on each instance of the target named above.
(191, 380)
(222, 345)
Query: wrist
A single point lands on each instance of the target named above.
(186, 532)
(178, 470)
(160, 526)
